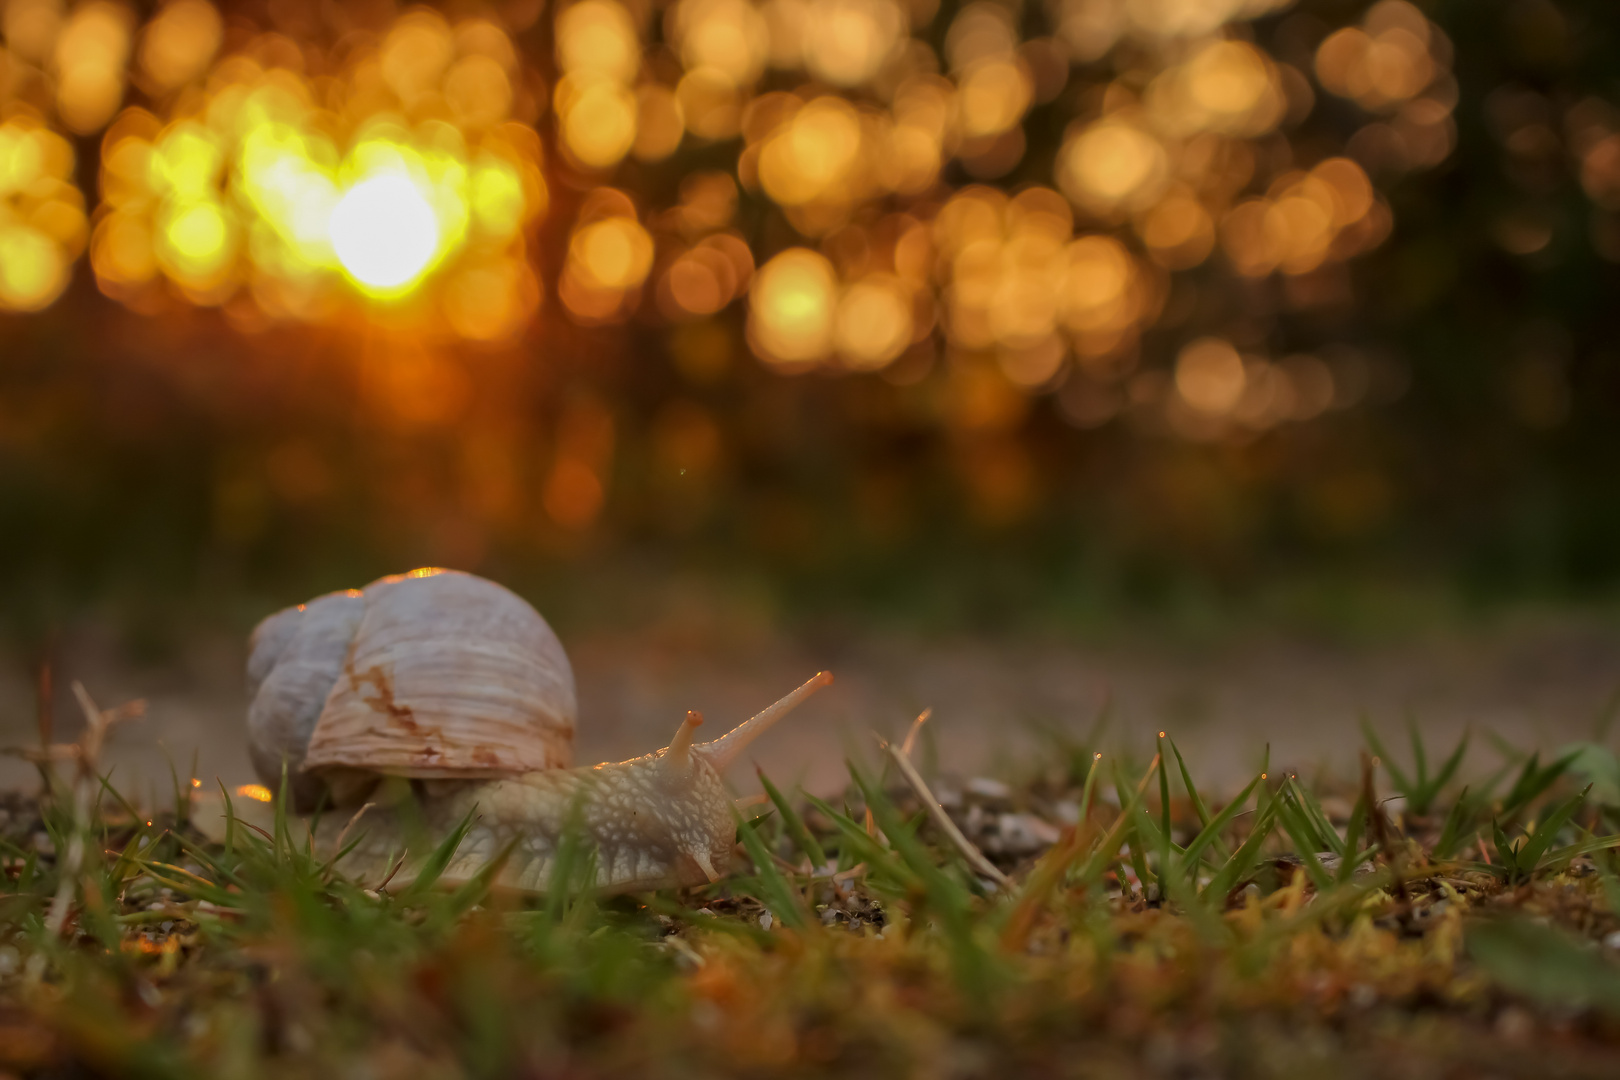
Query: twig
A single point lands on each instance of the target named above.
(86, 751)
(969, 850)
(840, 880)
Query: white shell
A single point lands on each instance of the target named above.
(433, 674)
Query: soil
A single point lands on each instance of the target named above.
(1537, 680)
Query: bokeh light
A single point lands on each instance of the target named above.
(1012, 200)
(610, 255)
(402, 168)
(90, 60)
(792, 307)
(42, 222)
(180, 42)
(385, 233)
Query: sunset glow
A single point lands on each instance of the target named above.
(385, 234)
(403, 176)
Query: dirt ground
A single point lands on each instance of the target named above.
(1538, 680)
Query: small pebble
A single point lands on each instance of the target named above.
(986, 788)
(765, 919)
(1025, 832)
(1611, 940)
(9, 959)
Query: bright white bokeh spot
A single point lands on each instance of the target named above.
(385, 233)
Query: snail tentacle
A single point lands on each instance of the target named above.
(724, 750)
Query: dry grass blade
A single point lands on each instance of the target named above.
(398, 863)
(1381, 832)
(86, 784)
(353, 821)
(910, 742)
(42, 754)
(969, 850)
(1074, 842)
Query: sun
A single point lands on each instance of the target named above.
(385, 234)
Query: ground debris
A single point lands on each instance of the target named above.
(891, 956)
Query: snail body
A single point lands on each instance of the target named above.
(457, 685)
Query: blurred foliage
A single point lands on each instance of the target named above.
(168, 454)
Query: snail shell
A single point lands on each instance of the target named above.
(434, 674)
(443, 676)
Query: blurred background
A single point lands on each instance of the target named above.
(1242, 362)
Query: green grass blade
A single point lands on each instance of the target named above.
(1318, 819)
(1090, 788)
(940, 887)
(863, 846)
(1533, 781)
(438, 860)
(1299, 829)
(1448, 769)
(118, 797)
(1198, 803)
(1109, 846)
(977, 975)
(1547, 831)
(1420, 758)
(1215, 826)
(281, 835)
(1164, 809)
(1396, 776)
(1451, 833)
(566, 863)
(214, 866)
(1556, 859)
(794, 824)
(475, 888)
(1352, 856)
(1138, 856)
(783, 900)
(1504, 850)
(581, 902)
(230, 819)
(1235, 868)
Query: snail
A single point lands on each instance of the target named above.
(459, 686)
